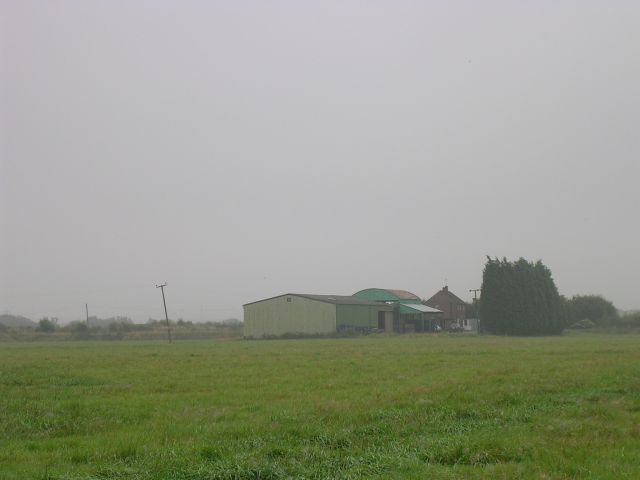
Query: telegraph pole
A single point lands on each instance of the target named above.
(86, 307)
(475, 304)
(161, 287)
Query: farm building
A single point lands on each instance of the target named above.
(409, 314)
(453, 309)
(313, 314)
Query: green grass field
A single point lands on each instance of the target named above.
(439, 406)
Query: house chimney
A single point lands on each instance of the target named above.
(445, 288)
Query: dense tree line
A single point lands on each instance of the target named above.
(521, 298)
(594, 308)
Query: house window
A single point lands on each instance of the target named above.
(289, 299)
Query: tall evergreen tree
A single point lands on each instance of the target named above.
(520, 298)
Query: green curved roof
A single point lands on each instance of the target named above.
(387, 295)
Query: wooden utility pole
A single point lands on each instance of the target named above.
(161, 287)
(475, 304)
(86, 307)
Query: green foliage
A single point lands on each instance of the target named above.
(121, 326)
(520, 298)
(77, 326)
(593, 307)
(626, 323)
(405, 407)
(45, 325)
(632, 318)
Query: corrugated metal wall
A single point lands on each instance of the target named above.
(277, 316)
(361, 316)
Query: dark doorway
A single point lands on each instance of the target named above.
(380, 320)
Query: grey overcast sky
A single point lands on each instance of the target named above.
(239, 150)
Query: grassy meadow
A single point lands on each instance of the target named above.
(422, 406)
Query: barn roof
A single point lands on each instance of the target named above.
(418, 307)
(387, 294)
(340, 299)
(403, 294)
(335, 299)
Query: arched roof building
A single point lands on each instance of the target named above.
(409, 312)
(387, 295)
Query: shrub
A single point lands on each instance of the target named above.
(46, 325)
(79, 327)
(593, 307)
(630, 319)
